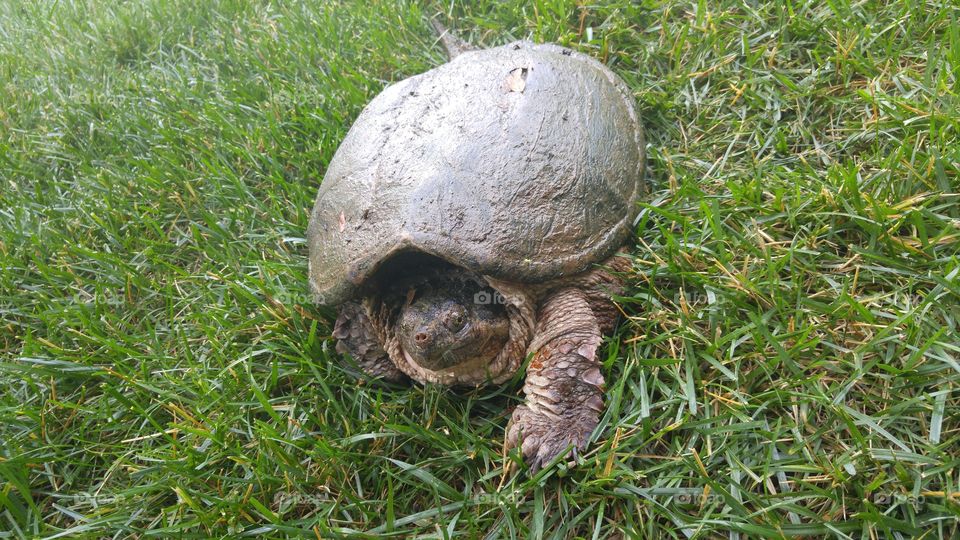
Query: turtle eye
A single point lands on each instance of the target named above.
(455, 320)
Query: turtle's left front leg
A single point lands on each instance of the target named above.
(563, 387)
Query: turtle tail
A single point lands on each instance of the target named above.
(451, 43)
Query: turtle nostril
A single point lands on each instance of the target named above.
(420, 338)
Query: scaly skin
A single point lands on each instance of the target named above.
(429, 330)
(356, 336)
(563, 386)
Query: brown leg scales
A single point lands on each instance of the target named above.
(564, 386)
(356, 336)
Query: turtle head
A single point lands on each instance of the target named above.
(452, 319)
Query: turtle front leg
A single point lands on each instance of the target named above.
(564, 385)
(356, 336)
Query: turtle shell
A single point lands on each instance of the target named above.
(522, 162)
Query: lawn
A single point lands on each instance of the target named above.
(789, 357)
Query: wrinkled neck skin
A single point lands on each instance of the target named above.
(446, 325)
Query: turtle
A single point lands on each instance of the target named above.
(475, 218)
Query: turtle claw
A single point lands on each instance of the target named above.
(542, 437)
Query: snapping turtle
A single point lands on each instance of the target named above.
(472, 217)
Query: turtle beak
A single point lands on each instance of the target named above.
(429, 353)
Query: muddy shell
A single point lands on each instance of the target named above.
(522, 162)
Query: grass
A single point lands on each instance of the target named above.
(790, 357)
